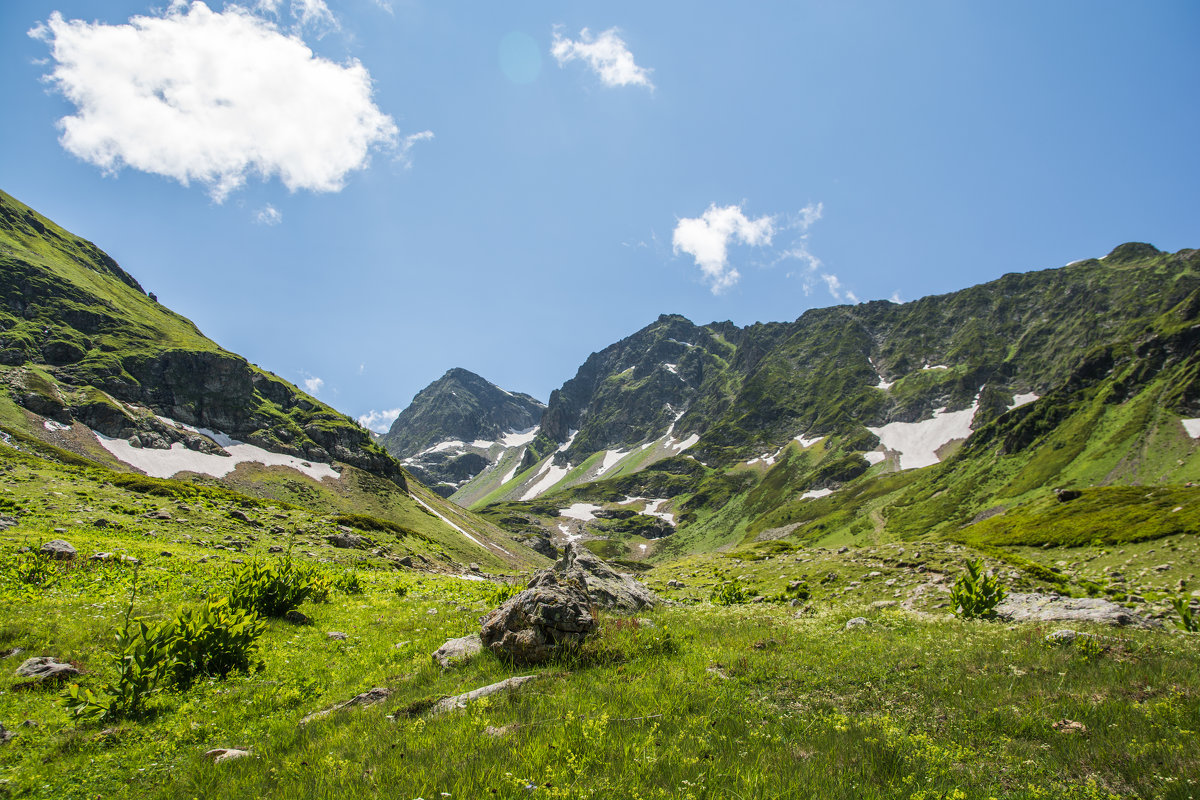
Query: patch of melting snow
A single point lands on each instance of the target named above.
(875, 457)
(653, 506)
(672, 368)
(546, 479)
(482, 444)
(470, 578)
(918, 442)
(516, 466)
(1022, 400)
(935, 366)
(519, 438)
(55, 425)
(679, 446)
(567, 532)
(685, 344)
(813, 494)
(584, 512)
(446, 520)
(884, 384)
(806, 442)
(166, 463)
(611, 459)
(1192, 426)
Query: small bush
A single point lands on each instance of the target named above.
(1187, 620)
(349, 583)
(271, 590)
(501, 592)
(729, 593)
(212, 640)
(142, 657)
(976, 594)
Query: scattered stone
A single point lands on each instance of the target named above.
(1069, 726)
(843, 549)
(461, 700)
(10, 652)
(405, 562)
(1162, 568)
(367, 698)
(878, 604)
(57, 549)
(857, 622)
(45, 669)
(458, 650)
(674, 584)
(604, 586)
(1067, 495)
(530, 626)
(473, 567)
(241, 516)
(160, 514)
(297, 617)
(1045, 608)
(226, 754)
(5, 734)
(1067, 636)
(167, 554)
(101, 557)
(7, 522)
(102, 523)
(503, 730)
(345, 541)
(274, 549)
(337, 636)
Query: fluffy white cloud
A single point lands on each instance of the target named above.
(606, 54)
(707, 237)
(199, 95)
(268, 215)
(313, 385)
(379, 421)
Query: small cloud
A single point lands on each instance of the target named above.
(385, 5)
(402, 154)
(379, 421)
(362, 368)
(314, 14)
(836, 289)
(268, 215)
(313, 385)
(707, 237)
(895, 298)
(606, 54)
(214, 97)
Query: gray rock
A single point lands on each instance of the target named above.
(297, 618)
(1067, 636)
(606, 587)
(337, 636)
(532, 625)
(5, 734)
(857, 622)
(883, 604)
(45, 669)
(367, 698)
(226, 754)
(58, 550)
(346, 541)
(461, 700)
(1045, 608)
(473, 567)
(458, 650)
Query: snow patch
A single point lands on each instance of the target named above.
(481, 444)
(1192, 426)
(584, 512)
(611, 459)
(519, 438)
(567, 532)
(917, 442)
(935, 366)
(875, 457)
(679, 446)
(672, 368)
(806, 442)
(546, 479)
(470, 578)
(885, 385)
(446, 520)
(512, 472)
(813, 494)
(1022, 399)
(652, 510)
(685, 344)
(166, 463)
(53, 425)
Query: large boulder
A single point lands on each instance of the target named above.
(458, 650)
(58, 550)
(532, 625)
(606, 587)
(1048, 607)
(45, 669)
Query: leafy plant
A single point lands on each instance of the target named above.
(502, 592)
(1187, 620)
(729, 593)
(975, 593)
(349, 583)
(212, 639)
(271, 590)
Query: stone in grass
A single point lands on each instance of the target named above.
(58, 550)
(458, 650)
(367, 698)
(1067, 636)
(605, 586)
(857, 622)
(220, 754)
(346, 541)
(40, 668)
(337, 636)
(531, 626)
(1044, 607)
(1069, 726)
(461, 700)
(297, 618)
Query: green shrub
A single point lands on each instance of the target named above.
(212, 640)
(976, 594)
(349, 583)
(729, 593)
(272, 590)
(1187, 620)
(142, 658)
(501, 592)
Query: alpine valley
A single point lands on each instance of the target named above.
(936, 549)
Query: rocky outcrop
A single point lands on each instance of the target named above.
(1047, 607)
(605, 587)
(458, 650)
(539, 622)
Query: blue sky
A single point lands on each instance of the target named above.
(486, 185)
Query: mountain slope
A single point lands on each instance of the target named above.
(93, 365)
(458, 426)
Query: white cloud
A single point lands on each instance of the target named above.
(314, 14)
(606, 54)
(407, 145)
(212, 97)
(379, 421)
(313, 385)
(707, 237)
(268, 215)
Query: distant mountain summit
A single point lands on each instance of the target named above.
(458, 426)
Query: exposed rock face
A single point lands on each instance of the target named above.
(456, 650)
(1046, 607)
(531, 626)
(606, 587)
